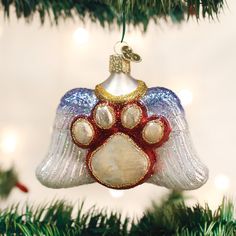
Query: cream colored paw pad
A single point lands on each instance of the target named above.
(82, 131)
(131, 116)
(120, 139)
(113, 162)
(104, 116)
(153, 131)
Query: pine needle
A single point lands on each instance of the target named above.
(107, 12)
(170, 217)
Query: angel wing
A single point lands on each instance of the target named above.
(178, 166)
(65, 164)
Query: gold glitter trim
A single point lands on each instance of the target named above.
(127, 108)
(118, 64)
(136, 147)
(74, 135)
(162, 131)
(103, 95)
(111, 110)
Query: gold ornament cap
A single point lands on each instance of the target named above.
(118, 64)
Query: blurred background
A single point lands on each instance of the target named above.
(38, 64)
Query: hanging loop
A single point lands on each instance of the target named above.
(118, 47)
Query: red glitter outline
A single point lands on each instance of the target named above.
(101, 135)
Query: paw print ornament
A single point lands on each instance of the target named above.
(120, 135)
(120, 139)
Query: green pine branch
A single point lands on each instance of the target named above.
(8, 180)
(107, 12)
(171, 217)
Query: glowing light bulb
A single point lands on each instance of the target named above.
(185, 96)
(8, 143)
(222, 182)
(81, 36)
(116, 193)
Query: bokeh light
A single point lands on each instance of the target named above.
(222, 182)
(81, 36)
(8, 142)
(185, 96)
